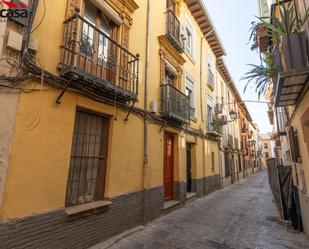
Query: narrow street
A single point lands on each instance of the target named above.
(241, 216)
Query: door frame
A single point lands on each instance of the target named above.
(191, 178)
(166, 133)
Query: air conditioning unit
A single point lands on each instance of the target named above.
(223, 120)
(218, 108)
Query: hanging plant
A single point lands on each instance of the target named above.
(261, 75)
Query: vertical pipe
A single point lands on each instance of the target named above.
(201, 105)
(146, 83)
(145, 108)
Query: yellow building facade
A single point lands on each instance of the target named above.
(114, 124)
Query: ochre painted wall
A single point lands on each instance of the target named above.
(41, 149)
(41, 145)
(303, 146)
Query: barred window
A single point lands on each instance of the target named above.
(86, 179)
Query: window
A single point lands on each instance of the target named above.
(189, 42)
(265, 146)
(170, 78)
(293, 138)
(189, 35)
(266, 155)
(210, 118)
(210, 112)
(90, 43)
(86, 179)
(190, 92)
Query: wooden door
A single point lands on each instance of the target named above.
(168, 171)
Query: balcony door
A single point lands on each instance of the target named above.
(98, 52)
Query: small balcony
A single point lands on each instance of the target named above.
(97, 63)
(213, 126)
(175, 105)
(211, 80)
(173, 30)
(291, 60)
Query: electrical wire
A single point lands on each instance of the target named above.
(42, 19)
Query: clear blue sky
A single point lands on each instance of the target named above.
(233, 21)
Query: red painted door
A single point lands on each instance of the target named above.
(168, 171)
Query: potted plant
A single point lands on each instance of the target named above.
(260, 36)
(289, 50)
(287, 35)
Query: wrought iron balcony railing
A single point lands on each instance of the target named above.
(91, 58)
(173, 30)
(175, 105)
(211, 79)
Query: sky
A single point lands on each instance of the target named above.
(232, 20)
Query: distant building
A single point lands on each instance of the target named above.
(267, 149)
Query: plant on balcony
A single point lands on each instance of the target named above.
(260, 36)
(287, 22)
(284, 31)
(261, 75)
(216, 124)
(289, 41)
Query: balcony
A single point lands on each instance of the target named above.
(213, 126)
(291, 60)
(94, 61)
(211, 80)
(173, 30)
(175, 105)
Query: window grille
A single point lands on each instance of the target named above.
(86, 179)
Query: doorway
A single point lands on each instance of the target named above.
(168, 171)
(189, 167)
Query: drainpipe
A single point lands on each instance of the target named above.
(145, 108)
(202, 114)
(146, 84)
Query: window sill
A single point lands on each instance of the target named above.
(85, 208)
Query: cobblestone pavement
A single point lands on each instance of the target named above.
(241, 216)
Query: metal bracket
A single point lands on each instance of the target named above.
(131, 108)
(63, 91)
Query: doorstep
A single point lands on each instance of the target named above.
(170, 204)
(190, 195)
